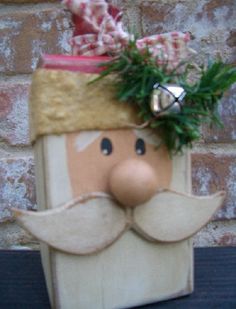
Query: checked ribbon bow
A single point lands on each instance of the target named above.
(99, 31)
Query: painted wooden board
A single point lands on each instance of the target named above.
(116, 217)
(131, 271)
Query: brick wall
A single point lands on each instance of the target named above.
(31, 27)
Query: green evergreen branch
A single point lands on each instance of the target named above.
(137, 72)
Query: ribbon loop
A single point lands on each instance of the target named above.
(99, 31)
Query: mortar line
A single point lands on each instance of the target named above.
(26, 7)
(215, 148)
(26, 155)
(4, 78)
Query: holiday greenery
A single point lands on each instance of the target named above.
(136, 73)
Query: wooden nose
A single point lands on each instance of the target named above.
(133, 182)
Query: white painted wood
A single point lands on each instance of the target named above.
(181, 180)
(42, 203)
(129, 273)
(59, 190)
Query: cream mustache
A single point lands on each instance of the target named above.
(94, 221)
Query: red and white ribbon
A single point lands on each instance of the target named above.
(169, 48)
(103, 31)
(99, 31)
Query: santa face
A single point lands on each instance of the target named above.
(116, 161)
(119, 181)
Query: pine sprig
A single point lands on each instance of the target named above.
(137, 72)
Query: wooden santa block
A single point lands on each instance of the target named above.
(116, 211)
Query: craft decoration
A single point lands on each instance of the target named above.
(166, 98)
(138, 72)
(156, 60)
(99, 31)
(117, 212)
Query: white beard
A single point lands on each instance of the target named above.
(93, 222)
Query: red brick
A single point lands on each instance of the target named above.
(210, 173)
(26, 1)
(227, 239)
(227, 111)
(210, 22)
(231, 40)
(211, 6)
(217, 233)
(14, 237)
(17, 186)
(14, 127)
(154, 14)
(25, 35)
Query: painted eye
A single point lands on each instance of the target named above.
(106, 146)
(140, 147)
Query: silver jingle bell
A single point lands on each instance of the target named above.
(166, 99)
